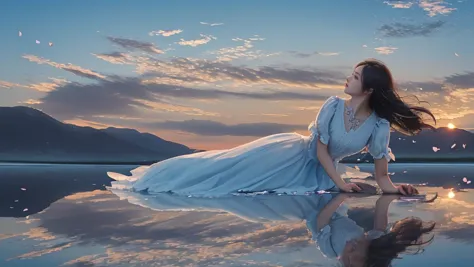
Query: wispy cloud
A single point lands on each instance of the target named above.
(30, 102)
(8, 85)
(212, 128)
(385, 50)
(432, 7)
(135, 45)
(165, 33)
(114, 57)
(77, 70)
(42, 252)
(243, 51)
(409, 30)
(188, 71)
(461, 80)
(420, 87)
(212, 24)
(204, 40)
(131, 97)
(435, 7)
(399, 4)
(48, 86)
(328, 53)
(306, 55)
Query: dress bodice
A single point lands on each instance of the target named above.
(328, 127)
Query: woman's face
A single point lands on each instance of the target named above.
(354, 83)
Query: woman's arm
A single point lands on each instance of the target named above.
(381, 211)
(382, 178)
(324, 216)
(385, 183)
(325, 159)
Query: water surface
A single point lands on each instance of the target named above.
(62, 215)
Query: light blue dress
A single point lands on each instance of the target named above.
(283, 163)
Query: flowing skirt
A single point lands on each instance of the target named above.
(280, 163)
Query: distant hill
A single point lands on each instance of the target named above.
(30, 135)
(453, 144)
(148, 141)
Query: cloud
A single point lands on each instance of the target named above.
(114, 57)
(30, 102)
(79, 71)
(188, 71)
(422, 86)
(409, 30)
(128, 96)
(241, 51)
(306, 55)
(165, 33)
(40, 253)
(211, 24)
(399, 4)
(48, 86)
(385, 50)
(212, 128)
(136, 45)
(432, 7)
(464, 80)
(8, 85)
(435, 7)
(204, 40)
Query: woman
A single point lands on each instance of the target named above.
(293, 163)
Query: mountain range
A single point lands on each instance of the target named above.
(29, 135)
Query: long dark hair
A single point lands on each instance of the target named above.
(386, 102)
(406, 233)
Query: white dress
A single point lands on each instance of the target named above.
(281, 163)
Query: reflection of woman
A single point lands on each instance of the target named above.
(293, 163)
(338, 236)
(326, 218)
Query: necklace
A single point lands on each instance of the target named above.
(353, 122)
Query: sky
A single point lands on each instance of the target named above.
(216, 74)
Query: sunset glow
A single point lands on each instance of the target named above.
(213, 78)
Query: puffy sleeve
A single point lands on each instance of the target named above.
(320, 126)
(379, 141)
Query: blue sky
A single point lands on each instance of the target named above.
(236, 63)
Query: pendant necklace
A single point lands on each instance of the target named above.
(353, 122)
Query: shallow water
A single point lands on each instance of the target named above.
(72, 220)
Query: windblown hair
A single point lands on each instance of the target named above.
(387, 103)
(405, 234)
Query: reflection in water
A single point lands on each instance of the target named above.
(326, 217)
(87, 226)
(451, 194)
(29, 189)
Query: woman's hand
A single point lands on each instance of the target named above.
(350, 187)
(407, 190)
